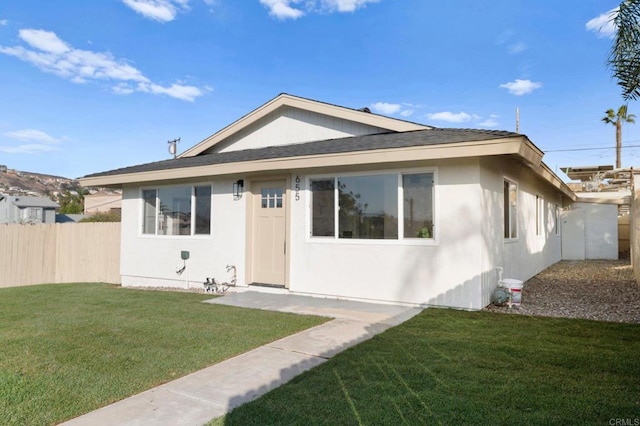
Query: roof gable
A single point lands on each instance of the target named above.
(306, 119)
(26, 201)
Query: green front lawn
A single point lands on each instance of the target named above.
(67, 349)
(455, 367)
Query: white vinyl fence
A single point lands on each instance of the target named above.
(59, 253)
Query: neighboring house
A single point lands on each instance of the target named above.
(69, 217)
(324, 200)
(25, 209)
(102, 203)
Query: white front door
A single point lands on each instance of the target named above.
(269, 232)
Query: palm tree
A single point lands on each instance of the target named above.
(617, 119)
(624, 58)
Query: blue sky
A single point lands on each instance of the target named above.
(96, 85)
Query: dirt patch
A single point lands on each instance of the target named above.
(603, 290)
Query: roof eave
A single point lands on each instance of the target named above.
(518, 146)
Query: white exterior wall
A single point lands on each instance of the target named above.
(444, 272)
(288, 125)
(457, 269)
(598, 223)
(529, 254)
(152, 260)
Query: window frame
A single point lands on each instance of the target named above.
(540, 231)
(193, 217)
(401, 240)
(513, 216)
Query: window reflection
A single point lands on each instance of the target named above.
(368, 207)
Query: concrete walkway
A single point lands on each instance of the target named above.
(206, 394)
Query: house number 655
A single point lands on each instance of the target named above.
(297, 188)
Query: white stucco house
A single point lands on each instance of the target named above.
(317, 199)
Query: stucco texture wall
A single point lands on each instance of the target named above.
(443, 272)
(531, 252)
(591, 231)
(149, 260)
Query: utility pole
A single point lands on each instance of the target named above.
(173, 149)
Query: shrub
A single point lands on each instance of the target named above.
(102, 217)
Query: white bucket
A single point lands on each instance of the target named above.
(515, 289)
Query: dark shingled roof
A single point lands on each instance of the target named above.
(389, 140)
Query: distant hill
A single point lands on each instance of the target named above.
(15, 182)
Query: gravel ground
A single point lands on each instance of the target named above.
(603, 290)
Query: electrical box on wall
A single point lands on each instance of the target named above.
(184, 255)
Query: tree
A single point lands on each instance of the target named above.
(71, 203)
(624, 58)
(617, 119)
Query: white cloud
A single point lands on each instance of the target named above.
(28, 149)
(385, 108)
(345, 5)
(158, 10)
(603, 24)
(282, 9)
(178, 91)
(406, 113)
(490, 122)
(460, 117)
(122, 89)
(36, 141)
(294, 9)
(516, 48)
(521, 87)
(4, 22)
(44, 40)
(31, 135)
(49, 53)
(513, 47)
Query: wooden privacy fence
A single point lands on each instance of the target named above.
(59, 253)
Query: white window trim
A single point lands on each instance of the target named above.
(355, 241)
(540, 228)
(140, 224)
(518, 207)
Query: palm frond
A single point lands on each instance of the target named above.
(624, 58)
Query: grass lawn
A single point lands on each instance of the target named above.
(457, 367)
(67, 349)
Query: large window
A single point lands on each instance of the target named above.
(368, 206)
(203, 209)
(149, 214)
(178, 210)
(418, 205)
(323, 208)
(510, 193)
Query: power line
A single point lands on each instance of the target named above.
(590, 149)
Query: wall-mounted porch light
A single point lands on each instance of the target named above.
(238, 186)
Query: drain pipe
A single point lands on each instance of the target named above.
(234, 277)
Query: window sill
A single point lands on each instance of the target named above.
(175, 237)
(349, 241)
